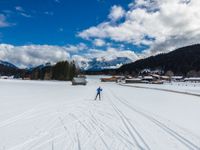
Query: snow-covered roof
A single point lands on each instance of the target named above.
(155, 75)
(177, 77)
(79, 80)
(165, 77)
(192, 79)
(6, 77)
(147, 77)
(134, 79)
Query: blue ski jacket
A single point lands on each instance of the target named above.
(99, 90)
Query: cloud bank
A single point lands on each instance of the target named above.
(163, 25)
(24, 56)
(33, 55)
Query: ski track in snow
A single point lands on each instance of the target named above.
(164, 127)
(75, 121)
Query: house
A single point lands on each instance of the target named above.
(152, 79)
(79, 81)
(128, 77)
(177, 78)
(4, 77)
(166, 78)
(192, 79)
(157, 71)
(111, 79)
(155, 76)
(157, 82)
(133, 80)
(145, 72)
(148, 78)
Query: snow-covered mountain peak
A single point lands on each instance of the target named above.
(97, 64)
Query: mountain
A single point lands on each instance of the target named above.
(8, 69)
(179, 61)
(63, 70)
(101, 64)
(7, 64)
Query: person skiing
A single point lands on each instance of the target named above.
(99, 90)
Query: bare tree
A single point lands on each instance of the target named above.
(192, 73)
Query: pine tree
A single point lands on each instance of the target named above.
(72, 73)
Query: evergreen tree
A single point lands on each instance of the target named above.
(72, 72)
(61, 71)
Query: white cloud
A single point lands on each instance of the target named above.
(3, 22)
(160, 24)
(99, 42)
(34, 55)
(19, 8)
(79, 58)
(116, 13)
(76, 48)
(22, 12)
(25, 15)
(110, 54)
(103, 55)
(24, 56)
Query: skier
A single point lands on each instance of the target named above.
(99, 90)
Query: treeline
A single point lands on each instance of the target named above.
(63, 71)
(9, 71)
(183, 61)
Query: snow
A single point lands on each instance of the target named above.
(106, 63)
(52, 115)
(185, 87)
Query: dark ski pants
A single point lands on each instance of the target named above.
(98, 94)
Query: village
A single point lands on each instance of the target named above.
(145, 76)
(148, 76)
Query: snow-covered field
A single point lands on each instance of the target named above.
(41, 115)
(185, 87)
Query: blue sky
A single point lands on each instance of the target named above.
(33, 32)
(52, 22)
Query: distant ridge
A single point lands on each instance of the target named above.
(180, 61)
(5, 63)
(8, 69)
